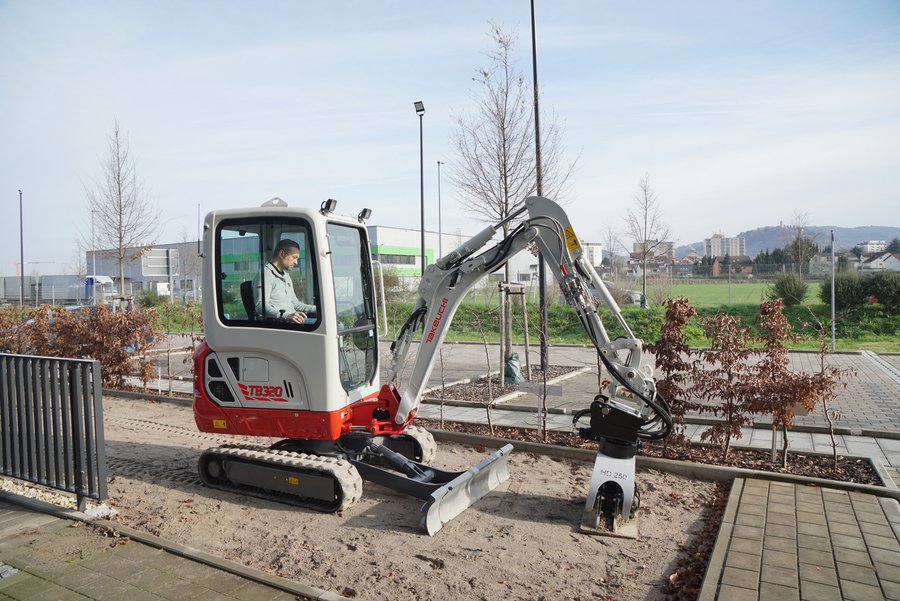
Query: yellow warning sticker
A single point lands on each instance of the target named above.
(293, 480)
(220, 424)
(571, 239)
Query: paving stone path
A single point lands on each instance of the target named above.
(788, 542)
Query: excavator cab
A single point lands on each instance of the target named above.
(266, 365)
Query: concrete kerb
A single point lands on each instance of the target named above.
(710, 587)
(888, 434)
(682, 468)
(180, 550)
(134, 394)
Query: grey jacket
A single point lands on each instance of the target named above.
(281, 301)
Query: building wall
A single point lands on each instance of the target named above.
(873, 246)
(655, 248)
(184, 282)
(593, 252)
(719, 246)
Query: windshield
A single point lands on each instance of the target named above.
(265, 274)
(354, 304)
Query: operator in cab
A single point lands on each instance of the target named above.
(281, 302)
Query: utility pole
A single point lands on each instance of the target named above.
(440, 231)
(833, 341)
(420, 111)
(21, 256)
(542, 283)
(93, 260)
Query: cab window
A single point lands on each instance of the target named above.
(251, 289)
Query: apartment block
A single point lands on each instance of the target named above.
(719, 246)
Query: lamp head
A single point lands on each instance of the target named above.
(328, 206)
(420, 107)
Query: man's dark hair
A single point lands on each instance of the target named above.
(284, 245)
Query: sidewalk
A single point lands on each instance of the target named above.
(56, 557)
(787, 542)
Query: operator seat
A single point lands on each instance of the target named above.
(247, 299)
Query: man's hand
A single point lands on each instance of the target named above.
(297, 317)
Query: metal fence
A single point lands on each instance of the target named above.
(51, 424)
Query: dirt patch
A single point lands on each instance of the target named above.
(481, 389)
(519, 542)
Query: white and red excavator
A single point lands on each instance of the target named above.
(314, 385)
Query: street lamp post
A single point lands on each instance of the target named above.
(94, 260)
(440, 231)
(21, 255)
(420, 111)
(833, 341)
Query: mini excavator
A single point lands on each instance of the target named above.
(313, 383)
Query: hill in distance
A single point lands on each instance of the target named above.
(772, 237)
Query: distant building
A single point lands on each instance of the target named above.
(172, 268)
(692, 258)
(881, 262)
(738, 264)
(872, 246)
(593, 252)
(820, 264)
(655, 248)
(719, 246)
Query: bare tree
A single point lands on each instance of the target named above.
(190, 262)
(799, 246)
(495, 169)
(125, 216)
(613, 244)
(78, 264)
(644, 224)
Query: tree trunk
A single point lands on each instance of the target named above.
(784, 445)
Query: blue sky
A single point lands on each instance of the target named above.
(742, 113)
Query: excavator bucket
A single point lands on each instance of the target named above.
(446, 494)
(466, 488)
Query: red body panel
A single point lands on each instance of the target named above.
(291, 423)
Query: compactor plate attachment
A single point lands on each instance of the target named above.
(611, 506)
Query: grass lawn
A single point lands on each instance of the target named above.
(739, 292)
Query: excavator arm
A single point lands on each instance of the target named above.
(628, 411)
(450, 278)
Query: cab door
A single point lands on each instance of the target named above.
(354, 299)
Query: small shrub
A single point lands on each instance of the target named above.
(13, 338)
(114, 338)
(790, 288)
(673, 356)
(393, 285)
(722, 378)
(151, 298)
(885, 287)
(849, 291)
(777, 390)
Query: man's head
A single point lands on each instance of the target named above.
(286, 255)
